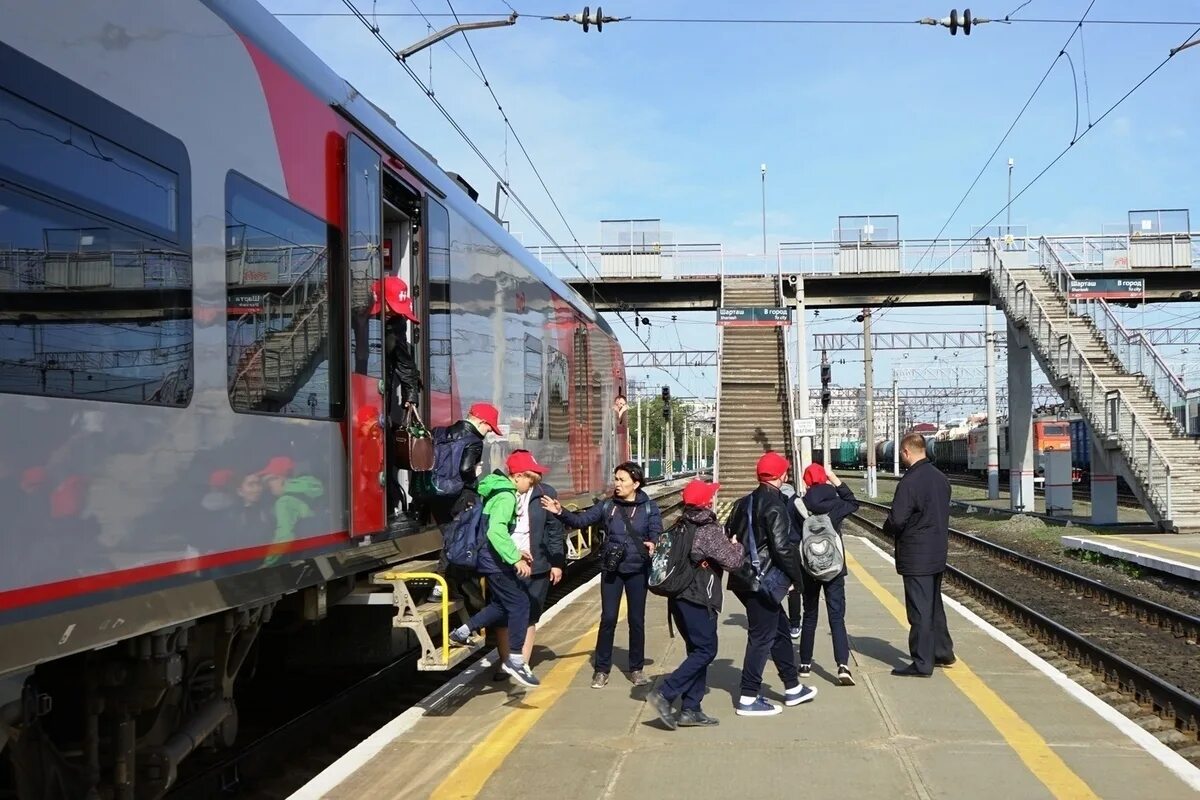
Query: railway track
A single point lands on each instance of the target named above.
(1145, 651)
(297, 747)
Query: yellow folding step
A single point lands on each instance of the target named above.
(419, 617)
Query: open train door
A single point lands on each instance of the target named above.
(367, 426)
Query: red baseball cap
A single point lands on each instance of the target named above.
(32, 478)
(772, 466)
(523, 462)
(699, 493)
(220, 478)
(278, 467)
(395, 292)
(486, 412)
(814, 474)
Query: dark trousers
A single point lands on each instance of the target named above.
(928, 637)
(768, 636)
(508, 608)
(835, 604)
(698, 626)
(795, 605)
(612, 585)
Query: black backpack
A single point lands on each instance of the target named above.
(671, 568)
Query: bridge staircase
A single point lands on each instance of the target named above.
(290, 334)
(1117, 380)
(753, 404)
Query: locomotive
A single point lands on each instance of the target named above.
(195, 216)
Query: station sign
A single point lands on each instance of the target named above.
(1107, 288)
(754, 316)
(805, 426)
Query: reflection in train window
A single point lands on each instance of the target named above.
(64, 160)
(277, 268)
(556, 386)
(90, 309)
(438, 372)
(534, 396)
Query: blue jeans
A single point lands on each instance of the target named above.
(509, 607)
(768, 635)
(835, 604)
(698, 626)
(633, 586)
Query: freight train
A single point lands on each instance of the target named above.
(195, 216)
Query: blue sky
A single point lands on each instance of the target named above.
(671, 121)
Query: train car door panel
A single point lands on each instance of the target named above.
(366, 421)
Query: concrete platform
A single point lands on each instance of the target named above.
(1177, 554)
(1001, 723)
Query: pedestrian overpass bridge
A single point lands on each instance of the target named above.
(914, 272)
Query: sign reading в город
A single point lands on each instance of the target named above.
(754, 316)
(1107, 288)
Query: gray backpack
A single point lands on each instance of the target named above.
(820, 545)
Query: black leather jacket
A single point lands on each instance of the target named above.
(772, 534)
(472, 453)
(405, 383)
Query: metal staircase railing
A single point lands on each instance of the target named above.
(289, 312)
(1107, 411)
(1134, 351)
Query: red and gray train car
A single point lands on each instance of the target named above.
(195, 212)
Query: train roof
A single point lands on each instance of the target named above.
(269, 34)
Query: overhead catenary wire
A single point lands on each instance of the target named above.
(988, 161)
(520, 203)
(742, 20)
(1056, 159)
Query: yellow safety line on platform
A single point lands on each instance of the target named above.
(1028, 744)
(1155, 545)
(467, 779)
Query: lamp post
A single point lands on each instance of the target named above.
(763, 170)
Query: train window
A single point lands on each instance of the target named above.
(62, 159)
(90, 309)
(558, 410)
(277, 267)
(1054, 430)
(535, 407)
(437, 259)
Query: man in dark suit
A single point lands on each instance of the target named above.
(919, 522)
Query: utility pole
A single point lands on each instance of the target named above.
(1008, 208)
(869, 375)
(804, 456)
(826, 400)
(763, 169)
(895, 426)
(993, 430)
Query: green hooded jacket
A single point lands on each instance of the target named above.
(290, 507)
(499, 495)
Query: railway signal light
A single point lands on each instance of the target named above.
(826, 374)
(666, 397)
(826, 399)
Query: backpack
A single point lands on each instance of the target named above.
(465, 536)
(671, 568)
(773, 583)
(445, 480)
(821, 547)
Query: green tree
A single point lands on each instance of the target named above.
(652, 418)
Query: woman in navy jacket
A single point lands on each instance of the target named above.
(632, 524)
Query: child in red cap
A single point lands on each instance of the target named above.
(826, 494)
(696, 609)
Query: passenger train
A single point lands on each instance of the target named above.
(195, 212)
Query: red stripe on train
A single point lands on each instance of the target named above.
(59, 590)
